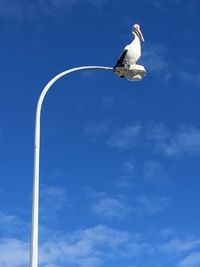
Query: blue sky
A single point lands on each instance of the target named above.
(119, 160)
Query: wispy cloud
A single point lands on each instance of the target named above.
(96, 130)
(150, 205)
(93, 194)
(124, 181)
(116, 207)
(86, 247)
(189, 77)
(144, 172)
(167, 232)
(127, 179)
(193, 260)
(186, 140)
(6, 219)
(97, 3)
(53, 199)
(154, 173)
(126, 138)
(104, 234)
(156, 133)
(10, 224)
(154, 58)
(99, 245)
(20, 11)
(178, 245)
(13, 253)
(129, 166)
(111, 208)
(92, 247)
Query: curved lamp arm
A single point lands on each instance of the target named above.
(35, 197)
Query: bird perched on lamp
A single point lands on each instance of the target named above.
(131, 53)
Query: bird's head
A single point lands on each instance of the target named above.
(136, 30)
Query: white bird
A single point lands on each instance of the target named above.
(132, 51)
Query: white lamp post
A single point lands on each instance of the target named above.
(35, 200)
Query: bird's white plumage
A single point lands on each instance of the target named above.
(134, 51)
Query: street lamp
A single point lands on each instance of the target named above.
(131, 72)
(36, 168)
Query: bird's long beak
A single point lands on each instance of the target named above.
(140, 35)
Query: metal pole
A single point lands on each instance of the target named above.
(35, 197)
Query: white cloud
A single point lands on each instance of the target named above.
(189, 77)
(119, 207)
(154, 173)
(134, 249)
(157, 134)
(19, 11)
(97, 130)
(129, 166)
(92, 246)
(6, 219)
(53, 192)
(126, 138)
(150, 205)
(124, 181)
(167, 232)
(91, 193)
(87, 247)
(193, 260)
(154, 57)
(186, 140)
(10, 224)
(13, 253)
(183, 141)
(111, 208)
(178, 245)
(53, 199)
(96, 246)
(102, 234)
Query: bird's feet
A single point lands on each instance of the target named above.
(118, 65)
(120, 69)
